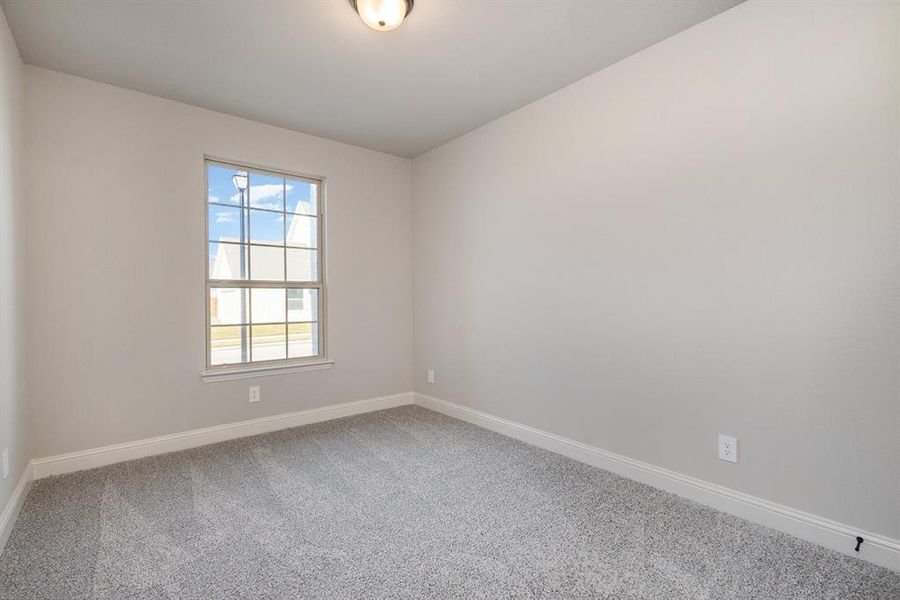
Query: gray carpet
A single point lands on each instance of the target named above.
(403, 503)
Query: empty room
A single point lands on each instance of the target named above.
(450, 299)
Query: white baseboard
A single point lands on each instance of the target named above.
(878, 549)
(14, 505)
(107, 455)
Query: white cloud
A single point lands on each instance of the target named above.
(269, 205)
(264, 196)
(224, 217)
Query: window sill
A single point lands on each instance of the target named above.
(250, 372)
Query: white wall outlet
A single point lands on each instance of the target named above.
(5, 463)
(728, 449)
(429, 375)
(254, 393)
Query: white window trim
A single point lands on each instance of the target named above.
(322, 361)
(249, 372)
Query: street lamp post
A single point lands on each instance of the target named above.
(240, 180)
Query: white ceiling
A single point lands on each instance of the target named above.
(313, 66)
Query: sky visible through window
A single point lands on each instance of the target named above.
(267, 193)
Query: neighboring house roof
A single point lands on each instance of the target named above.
(227, 263)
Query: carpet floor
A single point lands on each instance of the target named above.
(402, 503)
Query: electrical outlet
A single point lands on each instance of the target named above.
(254, 393)
(429, 376)
(5, 463)
(728, 449)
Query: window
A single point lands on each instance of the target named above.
(264, 287)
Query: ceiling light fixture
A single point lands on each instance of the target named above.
(382, 15)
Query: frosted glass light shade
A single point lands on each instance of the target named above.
(382, 15)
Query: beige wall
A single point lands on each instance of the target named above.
(699, 239)
(12, 239)
(116, 264)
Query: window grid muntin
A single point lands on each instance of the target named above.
(250, 283)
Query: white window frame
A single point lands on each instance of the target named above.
(277, 366)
